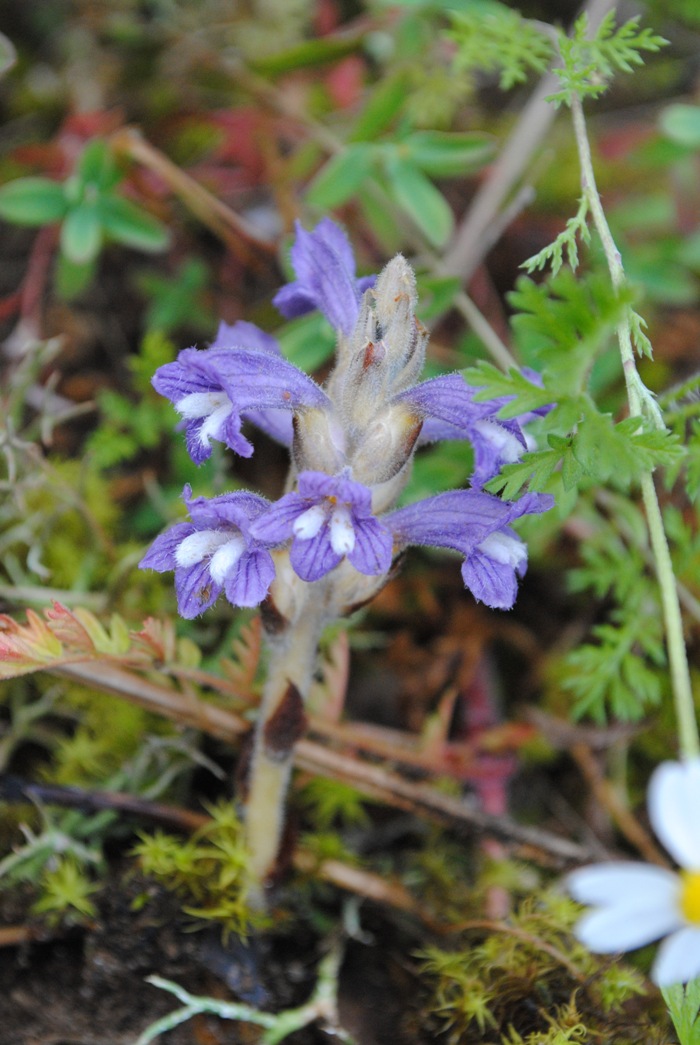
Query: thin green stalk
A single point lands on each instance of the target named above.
(638, 397)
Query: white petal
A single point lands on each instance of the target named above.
(620, 882)
(342, 532)
(501, 439)
(674, 801)
(213, 423)
(678, 959)
(226, 557)
(623, 927)
(505, 548)
(200, 404)
(198, 545)
(310, 522)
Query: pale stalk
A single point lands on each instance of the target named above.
(636, 395)
(292, 657)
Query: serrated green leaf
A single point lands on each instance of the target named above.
(443, 154)
(341, 177)
(684, 1004)
(81, 234)
(418, 197)
(493, 383)
(534, 470)
(571, 470)
(32, 201)
(128, 224)
(491, 37)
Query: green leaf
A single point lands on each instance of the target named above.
(534, 470)
(385, 103)
(493, 383)
(418, 197)
(491, 37)
(683, 1005)
(589, 63)
(96, 166)
(681, 123)
(341, 177)
(72, 278)
(309, 53)
(81, 234)
(32, 201)
(436, 295)
(444, 155)
(126, 223)
(307, 341)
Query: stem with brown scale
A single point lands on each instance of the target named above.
(281, 723)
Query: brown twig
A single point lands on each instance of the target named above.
(608, 798)
(355, 880)
(237, 233)
(373, 780)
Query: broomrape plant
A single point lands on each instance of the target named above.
(328, 544)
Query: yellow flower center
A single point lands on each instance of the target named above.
(690, 896)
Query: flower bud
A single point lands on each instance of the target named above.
(386, 445)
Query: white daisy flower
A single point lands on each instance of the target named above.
(635, 904)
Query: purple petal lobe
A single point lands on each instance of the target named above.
(476, 524)
(161, 554)
(248, 583)
(373, 547)
(314, 558)
(195, 589)
(245, 335)
(491, 582)
(214, 552)
(325, 269)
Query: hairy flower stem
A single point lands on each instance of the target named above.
(281, 722)
(640, 405)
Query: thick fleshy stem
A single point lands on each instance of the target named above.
(640, 405)
(281, 722)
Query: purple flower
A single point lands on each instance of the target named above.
(216, 388)
(325, 268)
(477, 525)
(450, 412)
(328, 518)
(214, 552)
(241, 334)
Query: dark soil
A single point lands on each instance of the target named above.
(87, 986)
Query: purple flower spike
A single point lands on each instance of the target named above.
(325, 268)
(328, 518)
(214, 552)
(477, 525)
(215, 389)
